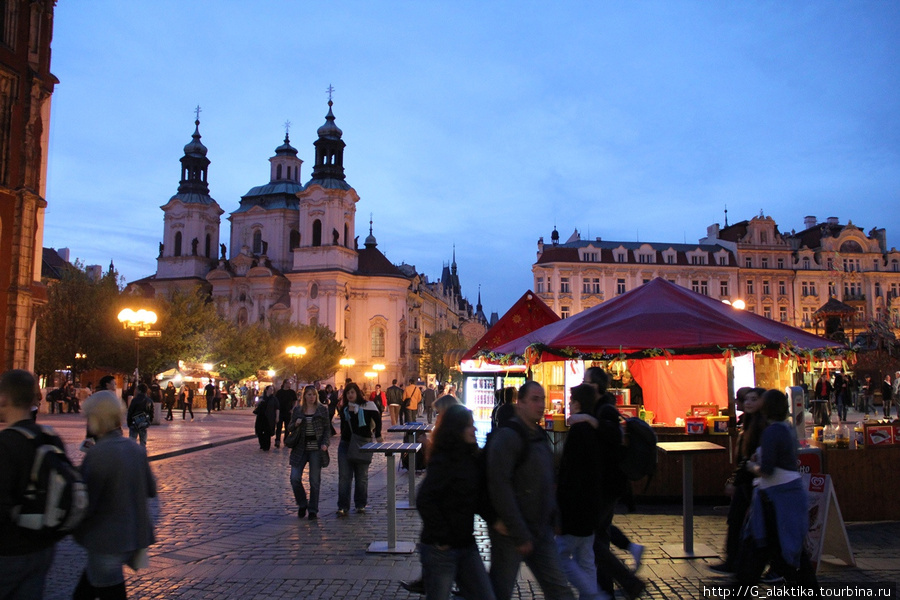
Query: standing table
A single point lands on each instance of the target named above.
(687, 549)
(391, 546)
(409, 431)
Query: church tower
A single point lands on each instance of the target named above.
(327, 206)
(191, 223)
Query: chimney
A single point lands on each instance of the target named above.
(832, 220)
(809, 222)
(712, 232)
(63, 254)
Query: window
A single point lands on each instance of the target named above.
(278, 172)
(830, 264)
(767, 312)
(539, 284)
(780, 263)
(257, 242)
(564, 312)
(294, 239)
(314, 291)
(377, 342)
(620, 257)
(782, 288)
(723, 288)
(670, 259)
(806, 262)
(877, 289)
(763, 237)
(765, 263)
(895, 265)
(851, 265)
(832, 289)
(589, 257)
(748, 262)
(317, 233)
(585, 286)
(645, 258)
(895, 289)
(620, 286)
(564, 285)
(766, 291)
(177, 243)
(346, 236)
(852, 289)
(698, 260)
(750, 291)
(723, 260)
(595, 285)
(208, 246)
(782, 314)
(807, 316)
(701, 287)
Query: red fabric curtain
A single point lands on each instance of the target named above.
(670, 387)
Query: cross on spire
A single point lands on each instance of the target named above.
(370, 223)
(197, 111)
(330, 91)
(287, 128)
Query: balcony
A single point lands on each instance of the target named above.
(858, 297)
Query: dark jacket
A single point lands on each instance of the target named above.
(265, 415)
(394, 395)
(321, 425)
(613, 481)
(140, 403)
(15, 467)
(371, 422)
(448, 497)
(578, 485)
(286, 401)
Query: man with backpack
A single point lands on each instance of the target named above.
(520, 480)
(25, 555)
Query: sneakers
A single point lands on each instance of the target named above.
(771, 576)
(342, 512)
(414, 587)
(637, 551)
(722, 567)
(301, 512)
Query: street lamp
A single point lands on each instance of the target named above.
(138, 321)
(295, 353)
(378, 368)
(79, 356)
(346, 363)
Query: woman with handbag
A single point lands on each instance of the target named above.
(308, 439)
(359, 418)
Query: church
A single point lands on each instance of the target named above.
(293, 253)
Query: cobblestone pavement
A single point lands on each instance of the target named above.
(227, 528)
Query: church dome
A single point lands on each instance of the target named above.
(195, 147)
(286, 148)
(329, 129)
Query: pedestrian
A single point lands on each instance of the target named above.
(359, 420)
(379, 398)
(265, 412)
(187, 393)
(311, 416)
(504, 406)
(428, 398)
(118, 529)
(578, 494)
(886, 396)
(821, 395)
(522, 493)
(25, 556)
(394, 401)
(740, 485)
(287, 399)
(169, 397)
(209, 391)
(412, 395)
(777, 521)
(140, 414)
(447, 501)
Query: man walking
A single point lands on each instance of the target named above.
(140, 414)
(210, 391)
(412, 395)
(522, 493)
(25, 556)
(287, 398)
(395, 401)
(428, 398)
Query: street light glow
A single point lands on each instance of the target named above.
(347, 362)
(295, 351)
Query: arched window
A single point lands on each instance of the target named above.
(294, 239)
(278, 172)
(317, 233)
(346, 235)
(257, 242)
(208, 244)
(314, 291)
(377, 342)
(242, 317)
(177, 243)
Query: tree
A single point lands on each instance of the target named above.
(323, 351)
(435, 358)
(80, 317)
(243, 351)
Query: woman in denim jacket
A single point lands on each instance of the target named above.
(315, 432)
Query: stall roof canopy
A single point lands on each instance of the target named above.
(660, 318)
(527, 314)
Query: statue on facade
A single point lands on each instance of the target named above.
(160, 249)
(194, 243)
(222, 250)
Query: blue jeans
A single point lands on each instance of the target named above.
(135, 433)
(543, 562)
(24, 575)
(577, 556)
(347, 472)
(440, 568)
(313, 458)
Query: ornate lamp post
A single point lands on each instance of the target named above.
(295, 353)
(346, 363)
(138, 321)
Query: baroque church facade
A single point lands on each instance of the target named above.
(293, 254)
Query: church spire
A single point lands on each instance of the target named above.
(370, 239)
(194, 163)
(329, 148)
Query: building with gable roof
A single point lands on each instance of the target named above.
(294, 254)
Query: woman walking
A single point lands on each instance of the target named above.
(169, 397)
(359, 418)
(118, 528)
(265, 418)
(187, 393)
(315, 432)
(447, 501)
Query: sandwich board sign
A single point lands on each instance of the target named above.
(827, 534)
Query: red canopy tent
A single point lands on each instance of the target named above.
(656, 325)
(527, 314)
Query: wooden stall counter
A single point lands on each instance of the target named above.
(865, 481)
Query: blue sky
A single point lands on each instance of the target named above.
(481, 124)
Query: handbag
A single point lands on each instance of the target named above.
(140, 420)
(292, 437)
(355, 453)
(325, 458)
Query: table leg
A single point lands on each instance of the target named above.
(687, 510)
(391, 546)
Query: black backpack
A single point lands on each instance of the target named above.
(487, 508)
(639, 458)
(56, 497)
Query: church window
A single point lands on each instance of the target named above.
(294, 239)
(278, 172)
(314, 291)
(317, 233)
(377, 342)
(208, 244)
(346, 235)
(257, 242)
(177, 243)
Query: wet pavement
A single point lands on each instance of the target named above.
(227, 527)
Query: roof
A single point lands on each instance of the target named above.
(329, 183)
(373, 262)
(660, 318)
(835, 307)
(527, 314)
(52, 264)
(193, 198)
(568, 252)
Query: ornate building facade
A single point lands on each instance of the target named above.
(294, 254)
(26, 85)
(788, 277)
